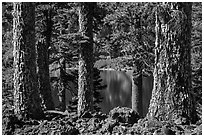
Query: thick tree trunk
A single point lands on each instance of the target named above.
(27, 102)
(85, 81)
(171, 96)
(137, 87)
(43, 63)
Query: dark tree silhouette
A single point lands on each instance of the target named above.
(43, 61)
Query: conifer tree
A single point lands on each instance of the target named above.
(27, 102)
(171, 96)
(85, 72)
(43, 44)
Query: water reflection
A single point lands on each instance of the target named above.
(118, 91)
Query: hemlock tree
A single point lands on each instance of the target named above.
(171, 96)
(43, 60)
(27, 102)
(85, 72)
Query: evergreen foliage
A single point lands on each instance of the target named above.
(123, 32)
(129, 31)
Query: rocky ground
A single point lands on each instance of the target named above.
(120, 121)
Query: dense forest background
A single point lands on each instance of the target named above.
(122, 32)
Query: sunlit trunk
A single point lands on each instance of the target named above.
(27, 102)
(85, 80)
(171, 96)
(62, 85)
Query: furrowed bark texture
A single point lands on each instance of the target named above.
(27, 102)
(43, 63)
(62, 85)
(85, 80)
(171, 95)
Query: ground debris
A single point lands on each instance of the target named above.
(120, 121)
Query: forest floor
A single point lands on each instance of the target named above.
(120, 121)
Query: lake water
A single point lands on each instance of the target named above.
(118, 91)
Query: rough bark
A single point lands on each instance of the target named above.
(85, 72)
(171, 96)
(62, 85)
(27, 102)
(137, 87)
(43, 63)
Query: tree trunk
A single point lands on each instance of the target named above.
(27, 102)
(137, 87)
(62, 85)
(171, 96)
(62, 82)
(85, 80)
(43, 63)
